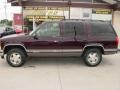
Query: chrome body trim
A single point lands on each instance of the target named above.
(54, 51)
(111, 50)
(65, 52)
(106, 51)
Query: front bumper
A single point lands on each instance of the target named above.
(1, 52)
(118, 51)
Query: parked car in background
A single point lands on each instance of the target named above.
(89, 39)
(4, 31)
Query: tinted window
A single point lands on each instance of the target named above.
(79, 27)
(9, 29)
(101, 28)
(49, 29)
(68, 29)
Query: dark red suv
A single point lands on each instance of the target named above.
(89, 39)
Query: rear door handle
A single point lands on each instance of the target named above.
(84, 40)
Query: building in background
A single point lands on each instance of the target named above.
(39, 11)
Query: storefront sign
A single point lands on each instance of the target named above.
(45, 13)
(101, 11)
(44, 8)
(44, 18)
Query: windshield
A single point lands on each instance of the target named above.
(32, 33)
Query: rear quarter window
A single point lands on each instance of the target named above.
(102, 29)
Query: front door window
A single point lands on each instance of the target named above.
(50, 29)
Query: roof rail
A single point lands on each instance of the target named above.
(84, 20)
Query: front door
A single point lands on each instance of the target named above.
(47, 40)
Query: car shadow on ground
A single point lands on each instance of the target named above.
(62, 61)
(55, 61)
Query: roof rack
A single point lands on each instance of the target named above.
(84, 20)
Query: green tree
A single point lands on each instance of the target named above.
(6, 22)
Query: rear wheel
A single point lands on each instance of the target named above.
(16, 57)
(92, 57)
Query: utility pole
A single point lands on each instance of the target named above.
(5, 6)
(92, 9)
(69, 4)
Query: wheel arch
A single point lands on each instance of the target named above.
(11, 46)
(98, 46)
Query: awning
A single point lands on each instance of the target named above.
(108, 4)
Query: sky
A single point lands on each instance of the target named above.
(10, 10)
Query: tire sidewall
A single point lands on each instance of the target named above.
(22, 54)
(88, 52)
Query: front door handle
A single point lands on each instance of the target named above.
(55, 41)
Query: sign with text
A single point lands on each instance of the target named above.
(44, 18)
(101, 11)
(45, 13)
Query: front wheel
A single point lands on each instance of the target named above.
(16, 57)
(92, 57)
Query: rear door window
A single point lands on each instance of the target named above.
(68, 29)
(79, 27)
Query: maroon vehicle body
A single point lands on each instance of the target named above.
(72, 39)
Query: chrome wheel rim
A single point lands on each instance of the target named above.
(15, 58)
(93, 58)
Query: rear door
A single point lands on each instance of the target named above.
(81, 35)
(72, 42)
(68, 35)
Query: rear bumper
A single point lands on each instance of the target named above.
(111, 51)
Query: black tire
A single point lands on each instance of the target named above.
(89, 59)
(21, 57)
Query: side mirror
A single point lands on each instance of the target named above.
(35, 37)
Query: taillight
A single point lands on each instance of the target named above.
(117, 41)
